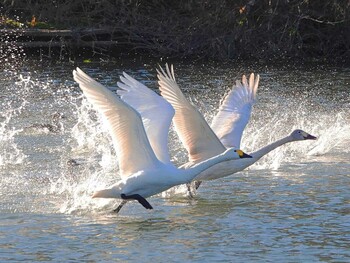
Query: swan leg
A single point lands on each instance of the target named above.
(197, 184)
(139, 198)
(189, 188)
(120, 206)
(190, 194)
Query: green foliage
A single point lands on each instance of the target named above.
(10, 23)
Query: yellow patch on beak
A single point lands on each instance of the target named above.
(240, 153)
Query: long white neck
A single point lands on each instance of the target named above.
(265, 150)
(190, 173)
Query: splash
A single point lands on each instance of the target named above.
(75, 192)
(271, 121)
(12, 107)
(94, 167)
(13, 100)
(332, 129)
(90, 134)
(10, 153)
(333, 136)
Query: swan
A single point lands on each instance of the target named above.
(142, 173)
(226, 128)
(201, 141)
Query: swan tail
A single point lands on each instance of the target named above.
(106, 193)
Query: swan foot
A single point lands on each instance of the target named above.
(139, 198)
(120, 206)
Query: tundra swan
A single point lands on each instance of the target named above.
(226, 129)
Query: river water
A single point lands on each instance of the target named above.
(291, 206)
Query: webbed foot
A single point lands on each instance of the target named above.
(139, 198)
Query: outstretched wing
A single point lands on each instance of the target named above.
(194, 132)
(129, 137)
(155, 111)
(235, 111)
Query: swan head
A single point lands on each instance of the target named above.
(300, 135)
(237, 153)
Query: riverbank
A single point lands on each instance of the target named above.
(55, 38)
(219, 30)
(92, 45)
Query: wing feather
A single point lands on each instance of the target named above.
(235, 110)
(129, 137)
(194, 132)
(155, 111)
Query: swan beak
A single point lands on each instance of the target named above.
(310, 137)
(243, 154)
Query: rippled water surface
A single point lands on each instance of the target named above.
(291, 206)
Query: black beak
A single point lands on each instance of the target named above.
(310, 137)
(246, 156)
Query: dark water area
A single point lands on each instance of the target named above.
(291, 206)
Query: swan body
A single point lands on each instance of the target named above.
(200, 140)
(142, 173)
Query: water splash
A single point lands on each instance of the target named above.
(12, 107)
(95, 166)
(9, 151)
(329, 137)
(90, 134)
(335, 134)
(75, 192)
(273, 119)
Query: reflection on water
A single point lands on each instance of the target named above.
(293, 205)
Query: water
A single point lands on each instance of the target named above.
(291, 206)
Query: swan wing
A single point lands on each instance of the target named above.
(155, 111)
(235, 111)
(194, 132)
(129, 137)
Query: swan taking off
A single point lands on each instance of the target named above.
(142, 173)
(226, 129)
(200, 141)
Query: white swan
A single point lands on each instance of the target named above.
(200, 141)
(227, 125)
(142, 173)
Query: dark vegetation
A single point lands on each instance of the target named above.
(218, 29)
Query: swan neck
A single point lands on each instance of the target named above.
(268, 148)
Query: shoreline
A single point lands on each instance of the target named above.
(222, 31)
(102, 43)
(35, 38)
